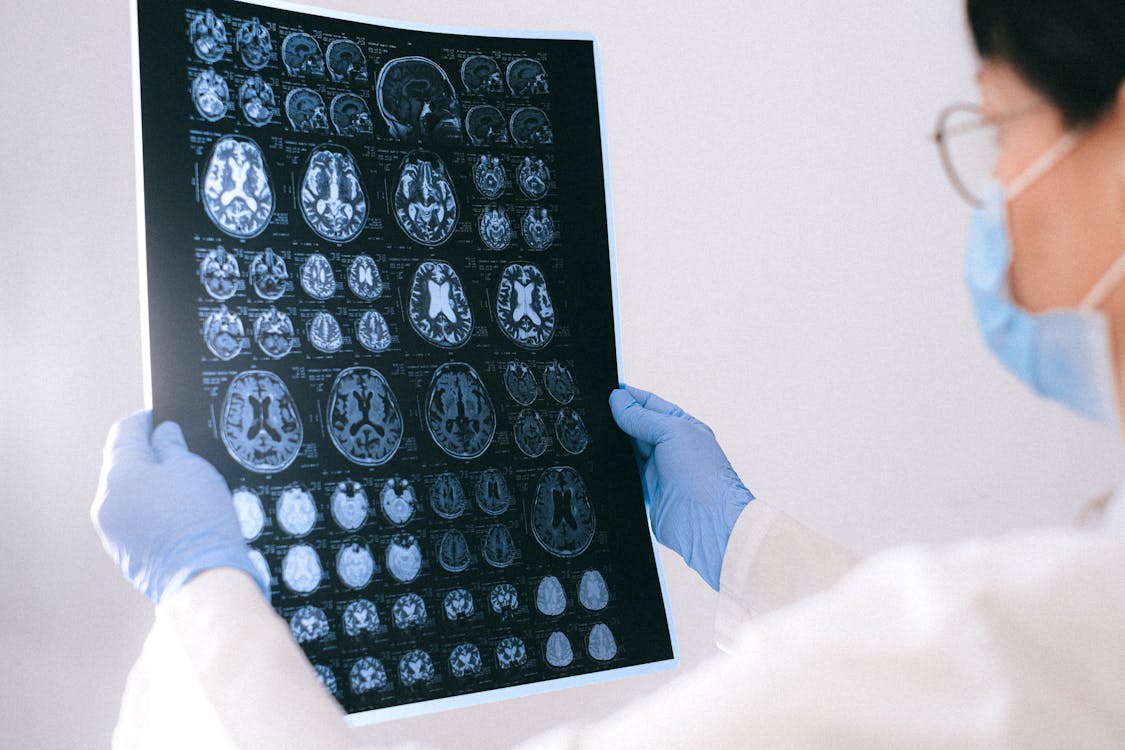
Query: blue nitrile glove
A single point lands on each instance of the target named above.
(694, 492)
(162, 512)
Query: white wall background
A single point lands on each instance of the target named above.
(789, 262)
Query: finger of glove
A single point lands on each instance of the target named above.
(168, 442)
(638, 422)
(655, 403)
(128, 439)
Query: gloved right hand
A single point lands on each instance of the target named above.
(694, 493)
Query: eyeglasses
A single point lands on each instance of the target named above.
(969, 145)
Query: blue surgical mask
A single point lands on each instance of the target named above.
(1064, 354)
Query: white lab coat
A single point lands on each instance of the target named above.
(1017, 641)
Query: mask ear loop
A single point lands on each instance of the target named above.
(1061, 148)
(1106, 284)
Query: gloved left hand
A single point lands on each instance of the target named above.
(163, 513)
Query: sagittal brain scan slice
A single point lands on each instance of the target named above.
(360, 618)
(398, 500)
(346, 62)
(511, 653)
(253, 42)
(453, 551)
(324, 333)
(350, 115)
(300, 569)
(600, 643)
(355, 565)
(415, 667)
(570, 431)
(236, 187)
(520, 383)
(526, 77)
(305, 110)
(481, 75)
(464, 660)
(559, 382)
(274, 333)
(492, 493)
(417, 101)
(504, 599)
(349, 505)
(308, 624)
(530, 127)
(372, 332)
(534, 177)
(497, 546)
(562, 519)
(296, 511)
(268, 275)
(367, 675)
(558, 651)
(223, 333)
(219, 273)
(301, 55)
(211, 95)
(459, 412)
(404, 557)
(251, 515)
(327, 678)
(447, 496)
(408, 611)
(208, 36)
(261, 426)
(425, 205)
(317, 278)
(333, 200)
(494, 227)
(550, 599)
(458, 605)
(593, 594)
(485, 125)
(438, 310)
(489, 176)
(364, 278)
(524, 310)
(257, 100)
(363, 417)
(538, 228)
(258, 560)
(530, 433)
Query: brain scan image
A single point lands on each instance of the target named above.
(570, 431)
(417, 101)
(459, 412)
(251, 515)
(354, 565)
(261, 428)
(497, 546)
(526, 77)
(481, 75)
(404, 557)
(464, 660)
(324, 333)
(530, 433)
(439, 310)
(366, 675)
(219, 273)
(360, 618)
(458, 605)
(257, 100)
(398, 501)
(562, 519)
(349, 115)
(494, 227)
(208, 36)
(447, 496)
(236, 187)
(538, 229)
(346, 63)
(274, 334)
(296, 511)
(592, 591)
(533, 177)
(253, 43)
(503, 599)
(415, 667)
(327, 678)
(550, 599)
(223, 333)
(372, 332)
(364, 278)
(363, 417)
(317, 278)
(511, 653)
(349, 505)
(258, 560)
(489, 176)
(520, 383)
(211, 95)
(409, 611)
(301, 55)
(305, 110)
(308, 623)
(530, 127)
(492, 493)
(453, 551)
(558, 650)
(524, 310)
(600, 643)
(300, 569)
(333, 201)
(559, 382)
(485, 125)
(424, 202)
(268, 275)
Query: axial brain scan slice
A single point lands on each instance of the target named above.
(361, 618)
(526, 77)
(459, 412)
(324, 333)
(261, 427)
(453, 551)
(533, 177)
(349, 505)
(494, 227)
(363, 417)
(559, 382)
(492, 494)
(236, 187)
(489, 176)
(438, 309)
(300, 569)
(497, 546)
(520, 382)
(208, 36)
(367, 674)
(268, 275)
(530, 433)
(481, 75)
(256, 98)
(409, 611)
(219, 273)
(364, 278)
(562, 519)
(305, 110)
(570, 431)
(530, 127)
(538, 228)
(301, 55)
(550, 599)
(417, 101)
(458, 605)
(511, 653)
(253, 43)
(600, 643)
(372, 332)
(504, 599)
(447, 496)
(558, 650)
(524, 310)
(398, 500)
(211, 95)
(354, 565)
(274, 334)
(485, 125)
(349, 115)
(258, 561)
(346, 63)
(296, 511)
(593, 594)
(424, 203)
(404, 557)
(308, 623)
(251, 515)
(333, 200)
(415, 667)
(317, 278)
(223, 333)
(464, 660)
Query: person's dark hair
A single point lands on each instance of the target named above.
(1072, 51)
